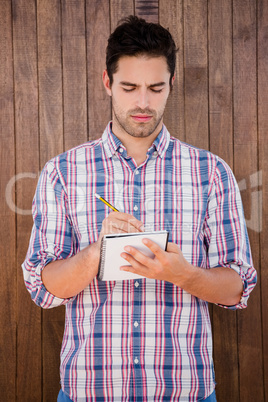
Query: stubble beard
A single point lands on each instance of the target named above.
(138, 130)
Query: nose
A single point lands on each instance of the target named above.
(143, 98)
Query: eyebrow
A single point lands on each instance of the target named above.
(157, 84)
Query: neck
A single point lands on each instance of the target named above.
(136, 147)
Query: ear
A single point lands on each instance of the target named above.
(172, 82)
(106, 82)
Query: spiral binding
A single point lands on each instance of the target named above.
(102, 259)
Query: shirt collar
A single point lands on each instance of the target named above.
(111, 143)
(161, 142)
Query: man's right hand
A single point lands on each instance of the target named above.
(68, 277)
(120, 222)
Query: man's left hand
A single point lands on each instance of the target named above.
(220, 285)
(169, 265)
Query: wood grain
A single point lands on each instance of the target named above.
(52, 332)
(7, 215)
(99, 104)
(221, 143)
(120, 9)
(74, 73)
(245, 167)
(27, 164)
(52, 56)
(196, 73)
(262, 17)
(171, 17)
(50, 79)
(51, 144)
(220, 79)
(147, 10)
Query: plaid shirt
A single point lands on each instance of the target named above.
(139, 339)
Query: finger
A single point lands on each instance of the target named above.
(139, 271)
(154, 247)
(132, 223)
(127, 222)
(134, 256)
(134, 266)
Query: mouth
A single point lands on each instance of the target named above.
(141, 118)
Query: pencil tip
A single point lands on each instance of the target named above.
(97, 195)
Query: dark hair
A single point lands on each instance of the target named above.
(133, 37)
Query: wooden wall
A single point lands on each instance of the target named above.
(52, 56)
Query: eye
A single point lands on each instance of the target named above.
(157, 90)
(128, 89)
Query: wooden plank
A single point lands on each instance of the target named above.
(50, 79)
(147, 10)
(7, 213)
(221, 143)
(52, 331)
(51, 144)
(249, 333)
(120, 9)
(27, 165)
(196, 73)
(263, 168)
(171, 17)
(99, 104)
(74, 72)
(220, 79)
(246, 168)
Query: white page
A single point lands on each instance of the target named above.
(115, 246)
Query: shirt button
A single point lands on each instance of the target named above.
(136, 361)
(121, 150)
(137, 172)
(136, 208)
(155, 153)
(137, 284)
(136, 324)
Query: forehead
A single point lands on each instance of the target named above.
(137, 69)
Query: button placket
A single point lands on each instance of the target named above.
(137, 290)
(136, 195)
(136, 334)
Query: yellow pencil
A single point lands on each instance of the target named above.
(106, 202)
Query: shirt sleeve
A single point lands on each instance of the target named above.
(51, 237)
(226, 234)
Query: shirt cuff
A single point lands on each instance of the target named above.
(249, 278)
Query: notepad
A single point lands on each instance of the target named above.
(113, 245)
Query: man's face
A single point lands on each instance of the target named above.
(139, 94)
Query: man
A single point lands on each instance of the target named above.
(146, 339)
